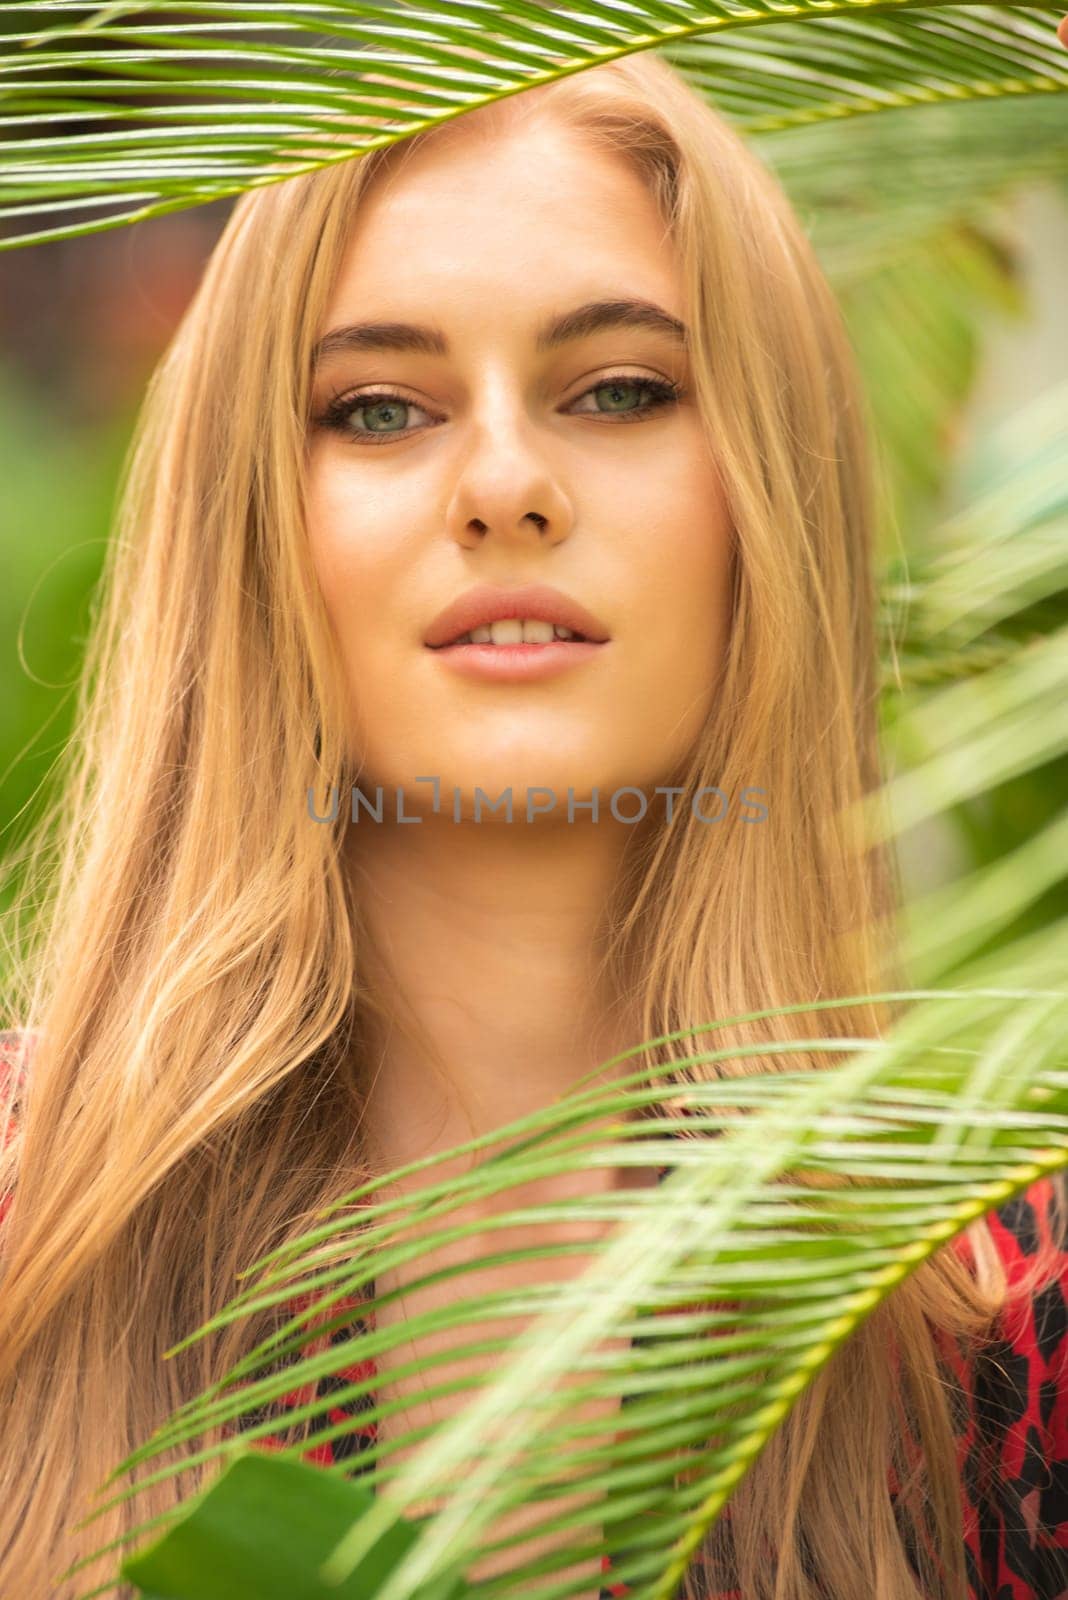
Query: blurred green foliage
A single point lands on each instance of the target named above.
(59, 479)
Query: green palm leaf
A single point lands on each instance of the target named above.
(997, 561)
(898, 179)
(911, 1138)
(241, 96)
(972, 625)
(916, 321)
(984, 589)
(831, 67)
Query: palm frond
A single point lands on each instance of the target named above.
(189, 111)
(947, 925)
(796, 1203)
(969, 737)
(997, 561)
(842, 66)
(973, 595)
(917, 325)
(869, 199)
(986, 604)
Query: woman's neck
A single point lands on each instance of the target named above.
(487, 939)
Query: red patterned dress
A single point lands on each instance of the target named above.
(1016, 1413)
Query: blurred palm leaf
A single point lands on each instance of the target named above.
(978, 590)
(910, 218)
(754, 1278)
(869, 199)
(978, 624)
(256, 84)
(916, 321)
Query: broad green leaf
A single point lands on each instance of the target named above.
(260, 1534)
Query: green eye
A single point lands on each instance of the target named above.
(385, 416)
(622, 394)
(372, 416)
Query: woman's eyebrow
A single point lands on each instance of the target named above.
(575, 324)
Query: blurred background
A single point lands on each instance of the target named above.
(952, 278)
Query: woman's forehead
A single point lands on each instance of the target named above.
(538, 210)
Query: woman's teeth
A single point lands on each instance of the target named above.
(517, 632)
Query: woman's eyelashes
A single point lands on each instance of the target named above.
(383, 414)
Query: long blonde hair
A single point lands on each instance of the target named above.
(195, 974)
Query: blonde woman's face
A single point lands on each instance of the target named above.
(480, 451)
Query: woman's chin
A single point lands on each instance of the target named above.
(522, 793)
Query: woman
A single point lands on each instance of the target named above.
(574, 343)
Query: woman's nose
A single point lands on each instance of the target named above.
(507, 487)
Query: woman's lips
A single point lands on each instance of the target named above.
(517, 663)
